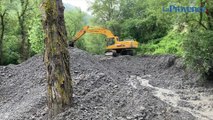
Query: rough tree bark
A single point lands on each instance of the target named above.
(2, 17)
(56, 57)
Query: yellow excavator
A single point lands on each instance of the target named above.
(114, 45)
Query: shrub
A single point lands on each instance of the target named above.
(170, 44)
(198, 49)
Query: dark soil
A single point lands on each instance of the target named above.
(106, 88)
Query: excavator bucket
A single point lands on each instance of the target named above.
(71, 43)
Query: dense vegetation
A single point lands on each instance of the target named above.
(188, 35)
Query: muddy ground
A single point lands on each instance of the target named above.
(106, 88)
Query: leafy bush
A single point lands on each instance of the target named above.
(11, 50)
(199, 52)
(170, 44)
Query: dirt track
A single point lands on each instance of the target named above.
(121, 88)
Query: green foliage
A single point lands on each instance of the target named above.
(10, 41)
(35, 32)
(75, 21)
(10, 49)
(95, 43)
(199, 50)
(105, 10)
(130, 19)
(12, 34)
(170, 44)
(143, 30)
(36, 35)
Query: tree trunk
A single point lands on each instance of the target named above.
(24, 51)
(210, 19)
(2, 36)
(209, 12)
(56, 57)
(210, 23)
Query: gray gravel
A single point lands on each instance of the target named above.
(106, 88)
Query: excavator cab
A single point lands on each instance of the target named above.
(110, 41)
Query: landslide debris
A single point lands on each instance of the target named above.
(106, 88)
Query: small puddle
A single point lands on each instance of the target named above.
(202, 108)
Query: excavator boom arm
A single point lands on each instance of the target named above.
(102, 31)
(95, 30)
(80, 33)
